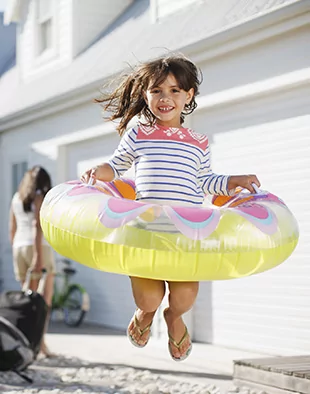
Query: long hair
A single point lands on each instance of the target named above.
(127, 100)
(35, 181)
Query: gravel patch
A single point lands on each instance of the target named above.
(69, 375)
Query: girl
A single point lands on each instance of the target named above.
(172, 166)
(30, 250)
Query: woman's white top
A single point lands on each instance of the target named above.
(25, 232)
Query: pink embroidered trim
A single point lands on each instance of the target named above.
(157, 132)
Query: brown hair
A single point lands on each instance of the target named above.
(127, 100)
(35, 181)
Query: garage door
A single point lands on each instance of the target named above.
(111, 301)
(268, 312)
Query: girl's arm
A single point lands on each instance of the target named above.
(223, 184)
(37, 263)
(120, 162)
(244, 181)
(12, 225)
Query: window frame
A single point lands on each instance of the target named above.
(45, 55)
(17, 176)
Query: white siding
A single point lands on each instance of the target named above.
(110, 295)
(34, 66)
(77, 24)
(92, 17)
(269, 136)
(37, 144)
(269, 312)
(269, 58)
(163, 8)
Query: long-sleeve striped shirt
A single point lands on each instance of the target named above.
(172, 165)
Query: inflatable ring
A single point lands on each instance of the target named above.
(103, 227)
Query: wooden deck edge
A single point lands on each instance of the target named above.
(272, 380)
(261, 388)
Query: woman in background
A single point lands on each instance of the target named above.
(30, 249)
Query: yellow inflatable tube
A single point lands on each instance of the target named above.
(103, 227)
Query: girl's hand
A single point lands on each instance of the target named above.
(89, 174)
(103, 172)
(244, 181)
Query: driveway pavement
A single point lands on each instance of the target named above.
(101, 360)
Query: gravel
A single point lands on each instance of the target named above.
(69, 375)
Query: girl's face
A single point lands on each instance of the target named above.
(167, 101)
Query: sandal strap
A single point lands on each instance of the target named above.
(179, 344)
(137, 326)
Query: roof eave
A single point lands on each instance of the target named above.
(12, 12)
(247, 33)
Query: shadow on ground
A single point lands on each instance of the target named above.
(56, 327)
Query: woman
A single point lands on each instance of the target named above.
(30, 249)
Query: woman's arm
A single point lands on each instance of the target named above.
(12, 225)
(37, 263)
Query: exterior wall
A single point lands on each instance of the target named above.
(267, 135)
(260, 134)
(31, 65)
(269, 58)
(76, 24)
(108, 292)
(267, 312)
(36, 147)
(90, 18)
(163, 8)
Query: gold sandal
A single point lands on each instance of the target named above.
(141, 332)
(178, 346)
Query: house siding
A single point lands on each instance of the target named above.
(111, 303)
(264, 134)
(31, 65)
(163, 8)
(92, 17)
(268, 136)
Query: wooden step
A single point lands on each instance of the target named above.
(274, 375)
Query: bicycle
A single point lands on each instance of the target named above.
(71, 298)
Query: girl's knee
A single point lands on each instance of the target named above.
(183, 292)
(148, 294)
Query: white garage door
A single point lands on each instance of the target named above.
(111, 301)
(111, 298)
(268, 312)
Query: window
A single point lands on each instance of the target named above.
(45, 25)
(18, 171)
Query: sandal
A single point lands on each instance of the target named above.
(179, 344)
(140, 332)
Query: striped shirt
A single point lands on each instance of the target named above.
(172, 165)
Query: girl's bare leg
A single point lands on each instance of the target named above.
(148, 295)
(181, 299)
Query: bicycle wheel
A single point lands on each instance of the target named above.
(73, 307)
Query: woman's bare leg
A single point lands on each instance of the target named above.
(148, 295)
(181, 299)
(47, 295)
